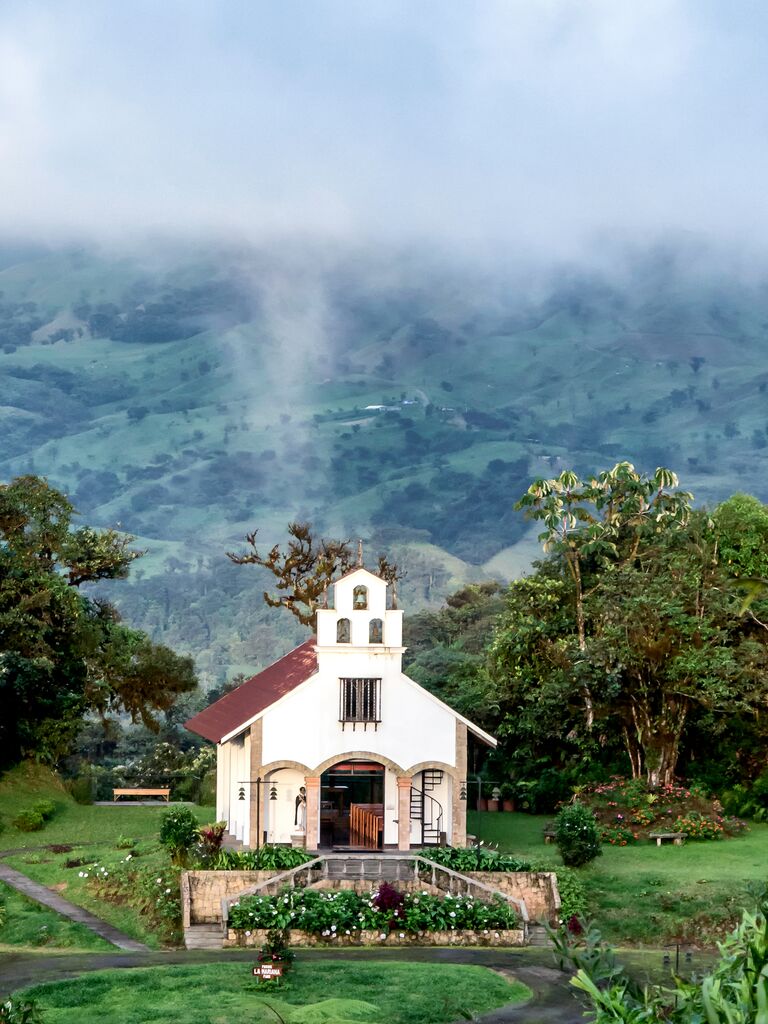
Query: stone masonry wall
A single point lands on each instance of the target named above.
(204, 890)
(459, 937)
(537, 888)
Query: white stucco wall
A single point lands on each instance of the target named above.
(305, 726)
(233, 765)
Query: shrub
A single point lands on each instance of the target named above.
(573, 894)
(178, 832)
(267, 858)
(617, 834)
(699, 826)
(210, 839)
(45, 808)
(576, 835)
(81, 788)
(29, 821)
(474, 858)
(124, 843)
(20, 1011)
(154, 892)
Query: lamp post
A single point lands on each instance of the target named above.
(258, 783)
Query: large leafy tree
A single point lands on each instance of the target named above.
(631, 618)
(64, 654)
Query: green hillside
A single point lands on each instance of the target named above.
(191, 397)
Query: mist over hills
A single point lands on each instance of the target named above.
(192, 396)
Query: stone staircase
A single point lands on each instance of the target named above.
(366, 868)
(369, 868)
(203, 936)
(537, 936)
(231, 843)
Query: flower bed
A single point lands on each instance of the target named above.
(366, 937)
(328, 915)
(626, 811)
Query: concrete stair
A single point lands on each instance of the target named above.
(537, 936)
(369, 868)
(231, 843)
(203, 936)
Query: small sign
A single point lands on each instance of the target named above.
(267, 972)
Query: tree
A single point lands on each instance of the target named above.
(632, 612)
(307, 568)
(63, 654)
(603, 519)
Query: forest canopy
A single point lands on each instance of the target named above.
(64, 654)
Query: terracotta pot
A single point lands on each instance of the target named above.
(482, 804)
(493, 805)
(508, 805)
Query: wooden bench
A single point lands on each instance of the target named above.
(164, 794)
(678, 838)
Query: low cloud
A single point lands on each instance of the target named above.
(538, 128)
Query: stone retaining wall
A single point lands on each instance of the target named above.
(537, 888)
(459, 937)
(203, 891)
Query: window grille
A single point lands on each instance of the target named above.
(360, 702)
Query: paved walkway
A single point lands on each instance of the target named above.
(553, 1000)
(52, 899)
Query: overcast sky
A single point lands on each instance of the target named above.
(532, 122)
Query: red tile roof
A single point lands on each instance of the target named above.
(255, 694)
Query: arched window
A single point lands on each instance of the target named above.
(360, 598)
(342, 631)
(375, 631)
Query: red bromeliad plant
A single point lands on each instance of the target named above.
(387, 898)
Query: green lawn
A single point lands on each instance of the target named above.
(73, 823)
(96, 834)
(315, 993)
(29, 925)
(649, 894)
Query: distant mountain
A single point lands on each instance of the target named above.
(193, 396)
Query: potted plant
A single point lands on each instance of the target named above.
(507, 796)
(482, 803)
(494, 803)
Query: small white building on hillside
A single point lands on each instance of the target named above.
(333, 746)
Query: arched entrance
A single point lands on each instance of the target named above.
(352, 805)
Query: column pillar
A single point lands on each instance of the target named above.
(458, 806)
(256, 822)
(404, 814)
(312, 784)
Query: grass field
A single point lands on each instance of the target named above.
(97, 834)
(394, 993)
(649, 894)
(28, 925)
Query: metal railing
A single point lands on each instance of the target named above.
(410, 867)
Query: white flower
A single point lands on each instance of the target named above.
(167, 890)
(347, 931)
(333, 927)
(402, 935)
(382, 936)
(452, 913)
(160, 882)
(247, 933)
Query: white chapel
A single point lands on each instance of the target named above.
(333, 746)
